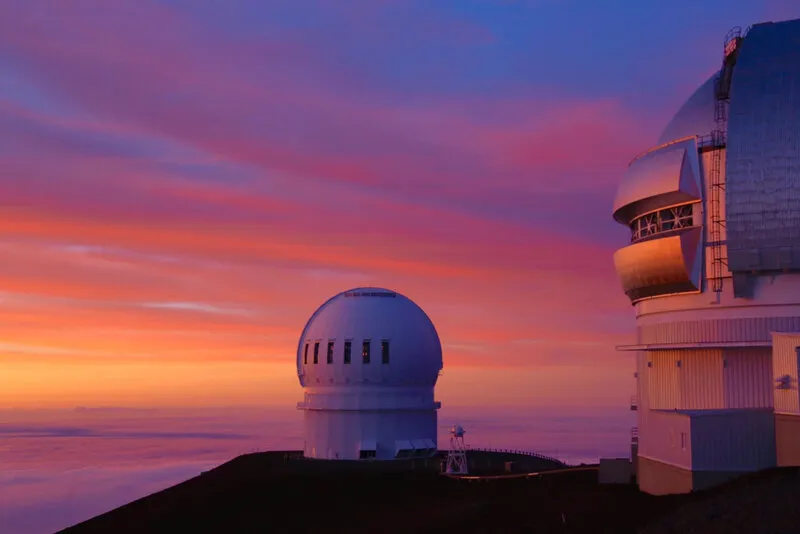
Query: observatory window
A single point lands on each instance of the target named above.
(348, 349)
(385, 351)
(661, 221)
(330, 351)
(365, 350)
(316, 352)
(305, 354)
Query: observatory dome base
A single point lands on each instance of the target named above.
(365, 435)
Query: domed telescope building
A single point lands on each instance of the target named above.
(369, 359)
(713, 272)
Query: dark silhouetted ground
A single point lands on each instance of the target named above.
(757, 503)
(262, 493)
(267, 492)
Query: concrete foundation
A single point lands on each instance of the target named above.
(657, 478)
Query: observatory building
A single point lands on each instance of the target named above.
(713, 271)
(368, 360)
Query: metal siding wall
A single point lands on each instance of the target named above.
(643, 391)
(662, 441)
(748, 378)
(736, 441)
(717, 330)
(696, 385)
(785, 362)
(642, 383)
(664, 380)
(701, 382)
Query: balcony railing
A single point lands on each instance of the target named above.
(517, 452)
(634, 435)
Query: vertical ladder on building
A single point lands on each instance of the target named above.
(722, 86)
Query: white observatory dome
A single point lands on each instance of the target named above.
(368, 360)
(401, 341)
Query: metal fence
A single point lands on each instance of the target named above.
(532, 454)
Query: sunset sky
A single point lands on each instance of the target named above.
(183, 182)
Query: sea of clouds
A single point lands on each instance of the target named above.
(60, 467)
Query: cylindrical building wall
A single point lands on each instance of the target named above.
(377, 434)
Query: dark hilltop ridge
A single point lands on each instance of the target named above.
(756, 503)
(275, 492)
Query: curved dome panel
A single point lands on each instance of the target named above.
(696, 116)
(403, 346)
(763, 152)
(662, 177)
(661, 266)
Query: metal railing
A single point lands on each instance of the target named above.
(713, 140)
(532, 454)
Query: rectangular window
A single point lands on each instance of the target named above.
(348, 349)
(305, 354)
(330, 351)
(683, 440)
(385, 351)
(365, 351)
(316, 352)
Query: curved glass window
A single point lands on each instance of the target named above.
(661, 221)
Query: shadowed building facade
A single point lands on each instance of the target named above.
(713, 271)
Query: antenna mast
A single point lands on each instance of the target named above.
(457, 457)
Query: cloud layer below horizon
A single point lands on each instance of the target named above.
(58, 467)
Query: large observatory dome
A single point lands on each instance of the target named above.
(712, 268)
(723, 177)
(369, 336)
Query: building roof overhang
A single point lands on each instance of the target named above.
(691, 346)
